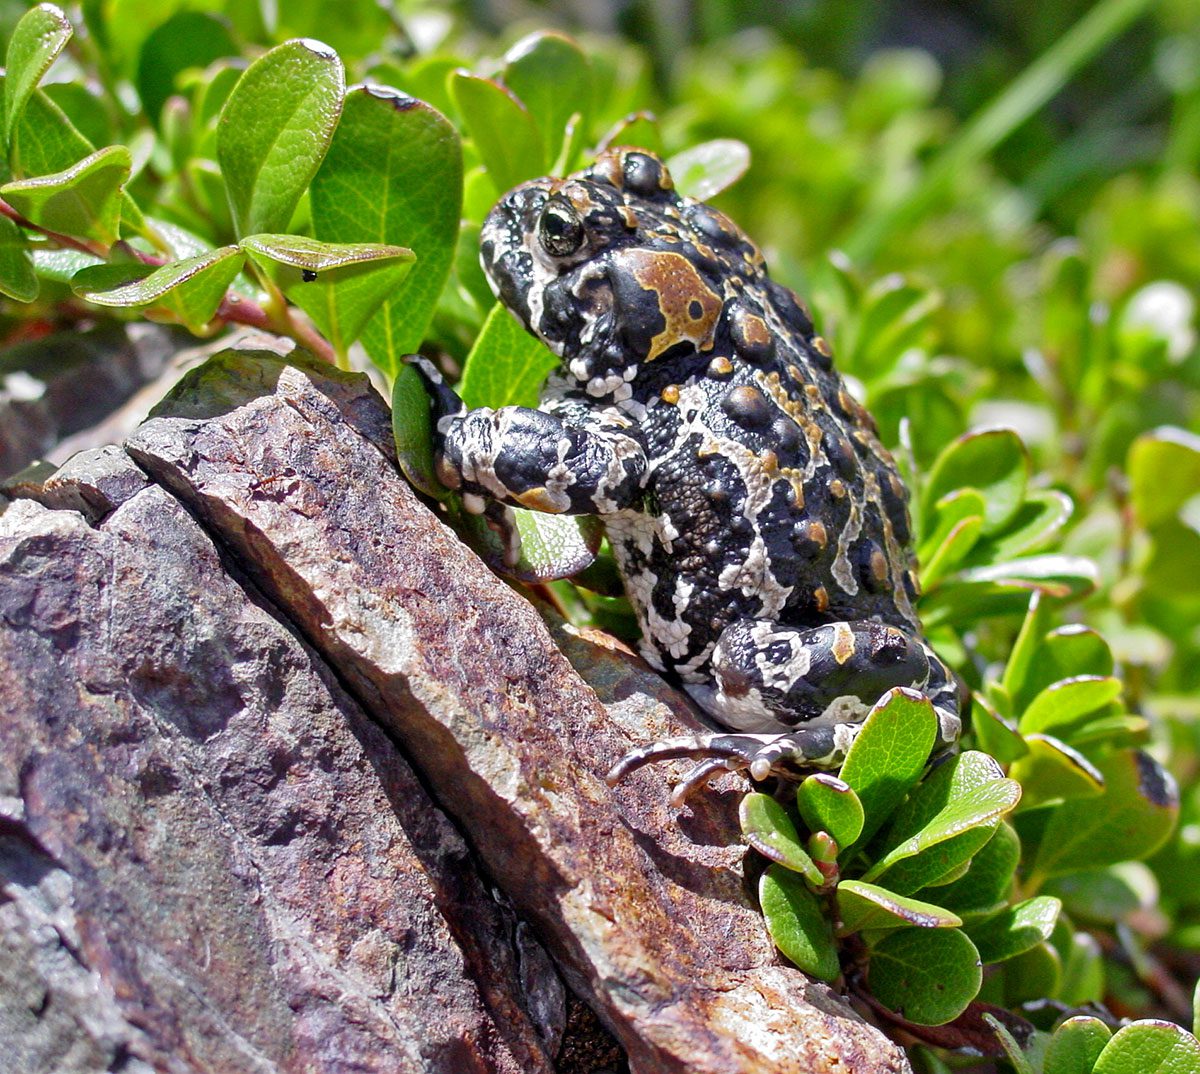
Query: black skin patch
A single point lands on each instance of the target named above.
(760, 527)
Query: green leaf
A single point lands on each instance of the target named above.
(36, 41)
(1028, 643)
(1076, 1045)
(1015, 930)
(828, 804)
(1038, 520)
(868, 906)
(928, 976)
(17, 278)
(769, 830)
(339, 285)
(1018, 1059)
(1130, 820)
(889, 755)
(506, 365)
(1052, 771)
(393, 174)
(995, 733)
(1164, 451)
(551, 76)
(501, 128)
(412, 427)
(84, 201)
(995, 462)
(551, 546)
(187, 39)
(1150, 1046)
(1004, 588)
(952, 547)
(988, 881)
(1032, 976)
(60, 266)
(966, 792)
(1196, 1011)
(1107, 895)
(45, 140)
(797, 923)
(1082, 979)
(274, 131)
(1065, 653)
(191, 289)
(703, 171)
(1064, 703)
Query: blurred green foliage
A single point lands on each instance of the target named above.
(993, 210)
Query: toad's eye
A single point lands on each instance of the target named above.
(560, 230)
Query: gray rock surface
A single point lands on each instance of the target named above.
(256, 877)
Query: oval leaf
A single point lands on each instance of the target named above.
(868, 906)
(339, 285)
(703, 171)
(501, 128)
(1069, 701)
(187, 39)
(1016, 930)
(889, 755)
(829, 804)
(553, 79)
(797, 923)
(767, 827)
(967, 791)
(393, 175)
(1052, 771)
(38, 38)
(995, 462)
(1076, 1045)
(988, 880)
(274, 131)
(83, 201)
(928, 976)
(1035, 525)
(1129, 821)
(506, 365)
(1150, 1046)
(1164, 451)
(192, 289)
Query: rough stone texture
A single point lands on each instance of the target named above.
(291, 469)
(55, 387)
(211, 859)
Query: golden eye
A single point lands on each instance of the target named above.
(560, 230)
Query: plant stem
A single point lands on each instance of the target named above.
(65, 241)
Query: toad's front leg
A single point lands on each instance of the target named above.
(821, 682)
(583, 463)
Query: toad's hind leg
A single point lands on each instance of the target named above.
(820, 682)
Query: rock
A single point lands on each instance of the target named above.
(291, 470)
(211, 858)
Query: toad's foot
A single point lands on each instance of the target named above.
(760, 755)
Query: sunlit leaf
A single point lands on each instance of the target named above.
(829, 804)
(703, 171)
(889, 755)
(506, 365)
(83, 201)
(798, 923)
(767, 827)
(393, 175)
(275, 129)
(39, 36)
(869, 906)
